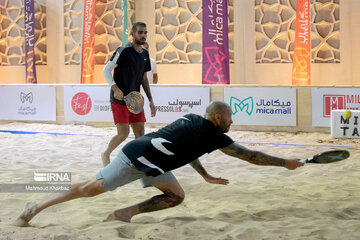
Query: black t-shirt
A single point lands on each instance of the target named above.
(175, 145)
(130, 69)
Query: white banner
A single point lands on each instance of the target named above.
(262, 106)
(326, 99)
(174, 102)
(345, 124)
(28, 103)
(87, 104)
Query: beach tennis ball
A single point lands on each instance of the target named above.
(347, 114)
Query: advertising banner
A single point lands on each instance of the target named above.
(215, 67)
(301, 74)
(30, 41)
(174, 102)
(125, 34)
(326, 99)
(35, 103)
(262, 106)
(87, 104)
(88, 42)
(345, 123)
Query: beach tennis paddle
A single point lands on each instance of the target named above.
(327, 157)
(134, 102)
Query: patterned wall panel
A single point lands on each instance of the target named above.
(108, 29)
(179, 31)
(275, 22)
(12, 41)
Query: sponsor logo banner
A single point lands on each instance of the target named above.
(88, 42)
(215, 67)
(29, 41)
(87, 104)
(28, 103)
(345, 123)
(301, 74)
(174, 102)
(262, 106)
(324, 100)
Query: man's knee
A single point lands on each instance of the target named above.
(175, 199)
(122, 134)
(173, 192)
(123, 131)
(121, 137)
(89, 190)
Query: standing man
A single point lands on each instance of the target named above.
(152, 74)
(130, 64)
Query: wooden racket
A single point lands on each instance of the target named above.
(134, 102)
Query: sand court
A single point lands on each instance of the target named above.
(312, 202)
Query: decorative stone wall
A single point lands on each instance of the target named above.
(178, 25)
(108, 29)
(275, 22)
(179, 31)
(12, 30)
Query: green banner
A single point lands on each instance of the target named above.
(125, 34)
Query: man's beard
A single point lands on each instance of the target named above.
(140, 42)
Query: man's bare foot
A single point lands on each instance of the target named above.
(19, 222)
(119, 215)
(28, 213)
(105, 159)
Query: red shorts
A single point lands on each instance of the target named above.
(122, 114)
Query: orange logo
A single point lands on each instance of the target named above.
(300, 68)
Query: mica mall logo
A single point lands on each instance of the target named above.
(246, 105)
(26, 97)
(81, 103)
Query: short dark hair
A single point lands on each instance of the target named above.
(133, 29)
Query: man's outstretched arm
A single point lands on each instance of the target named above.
(210, 179)
(259, 158)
